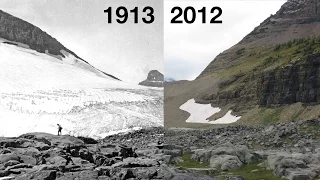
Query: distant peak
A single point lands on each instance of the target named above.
(154, 79)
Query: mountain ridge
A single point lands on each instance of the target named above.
(269, 76)
(18, 30)
(279, 28)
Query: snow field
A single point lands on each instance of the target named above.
(199, 113)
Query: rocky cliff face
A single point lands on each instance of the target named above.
(277, 63)
(294, 83)
(290, 84)
(154, 79)
(17, 30)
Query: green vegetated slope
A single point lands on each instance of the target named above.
(271, 75)
(271, 84)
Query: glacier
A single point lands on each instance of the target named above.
(40, 90)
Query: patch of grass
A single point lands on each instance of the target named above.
(297, 114)
(190, 163)
(273, 116)
(262, 173)
(251, 62)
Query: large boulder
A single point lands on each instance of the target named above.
(225, 162)
(54, 140)
(7, 157)
(294, 166)
(242, 152)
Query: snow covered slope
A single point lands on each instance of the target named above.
(39, 90)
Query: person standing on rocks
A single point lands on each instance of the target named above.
(59, 129)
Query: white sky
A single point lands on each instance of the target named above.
(189, 48)
(128, 51)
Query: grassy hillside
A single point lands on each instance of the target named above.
(241, 75)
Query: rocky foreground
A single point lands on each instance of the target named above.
(289, 150)
(136, 155)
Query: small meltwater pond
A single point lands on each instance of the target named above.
(199, 113)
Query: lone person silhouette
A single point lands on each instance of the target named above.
(59, 129)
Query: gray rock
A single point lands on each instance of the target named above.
(225, 162)
(11, 163)
(252, 158)
(301, 175)
(46, 174)
(135, 162)
(7, 157)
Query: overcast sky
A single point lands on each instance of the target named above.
(189, 48)
(128, 51)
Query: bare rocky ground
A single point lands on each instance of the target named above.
(136, 155)
(289, 150)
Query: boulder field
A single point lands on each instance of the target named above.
(135, 155)
(289, 150)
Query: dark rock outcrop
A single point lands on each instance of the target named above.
(291, 84)
(16, 30)
(154, 79)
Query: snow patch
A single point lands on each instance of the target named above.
(199, 113)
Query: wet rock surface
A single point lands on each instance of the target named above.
(291, 149)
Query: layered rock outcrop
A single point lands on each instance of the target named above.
(276, 77)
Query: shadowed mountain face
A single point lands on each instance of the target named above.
(154, 79)
(19, 31)
(278, 63)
